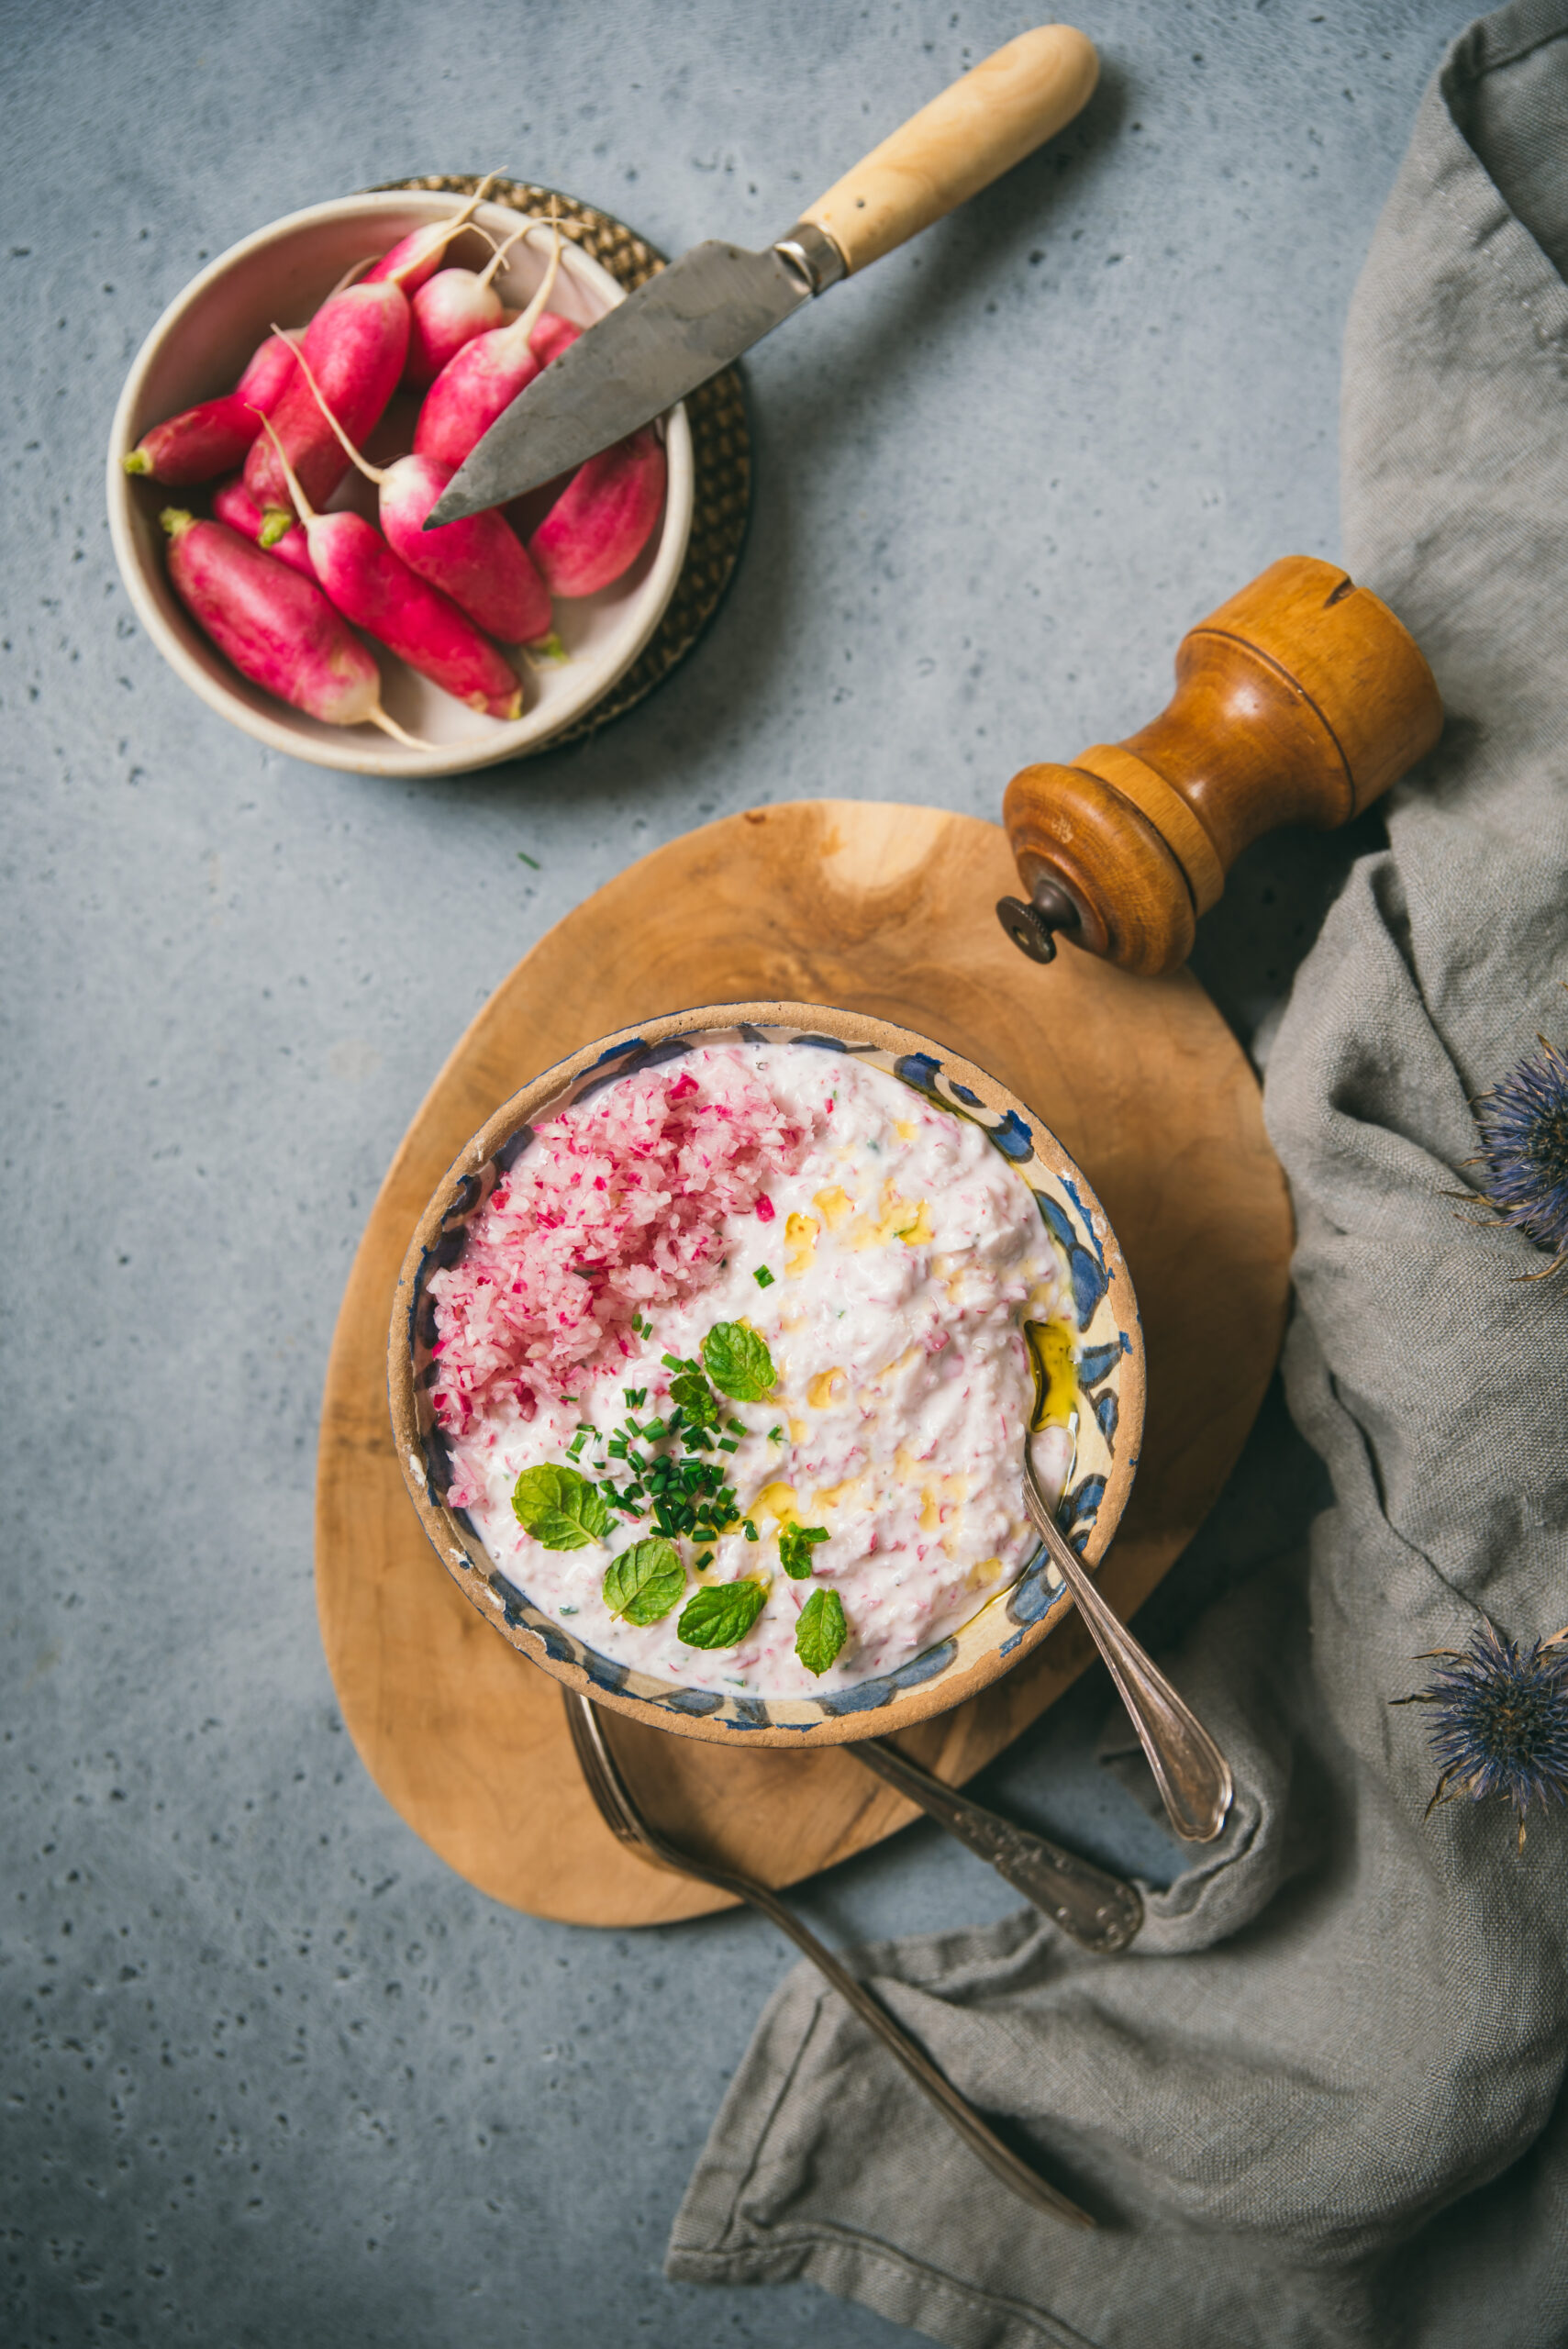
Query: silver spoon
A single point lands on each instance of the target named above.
(1190, 1771)
(1096, 1909)
(622, 1816)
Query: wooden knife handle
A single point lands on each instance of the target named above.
(1001, 111)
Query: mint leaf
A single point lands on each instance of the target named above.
(695, 1398)
(559, 1507)
(821, 1631)
(721, 1615)
(645, 1581)
(795, 1545)
(738, 1362)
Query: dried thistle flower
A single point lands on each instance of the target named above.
(1502, 1724)
(1524, 1149)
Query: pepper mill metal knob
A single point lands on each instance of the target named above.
(1298, 702)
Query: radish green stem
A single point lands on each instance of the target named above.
(545, 647)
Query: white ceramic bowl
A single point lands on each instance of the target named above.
(197, 350)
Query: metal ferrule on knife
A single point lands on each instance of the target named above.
(811, 250)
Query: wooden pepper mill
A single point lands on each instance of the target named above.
(1297, 703)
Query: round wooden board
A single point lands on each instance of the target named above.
(886, 909)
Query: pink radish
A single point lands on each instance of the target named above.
(233, 504)
(209, 438)
(266, 378)
(375, 588)
(413, 259)
(278, 629)
(195, 445)
(485, 377)
(603, 518)
(479, 562)
(356, 344)
(552, 335)
(450, 311)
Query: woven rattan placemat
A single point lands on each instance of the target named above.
(721, 448)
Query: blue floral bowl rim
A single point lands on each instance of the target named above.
(926, 1685)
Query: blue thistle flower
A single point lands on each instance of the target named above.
(1524, 1146)
(1502, 1724)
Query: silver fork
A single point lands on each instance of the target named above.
(624, 1820)
(1096, 1909)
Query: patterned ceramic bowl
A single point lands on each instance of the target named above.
(197, 349)
(1109, 1416)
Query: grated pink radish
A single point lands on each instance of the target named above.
(616, 1208)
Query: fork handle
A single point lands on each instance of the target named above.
(955, 2109)
(1098, 1910)
(617, 1807)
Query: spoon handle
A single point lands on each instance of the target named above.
(1190, 1771)
(1096, 1909)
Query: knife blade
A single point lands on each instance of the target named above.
(717, 301)
(675, 331)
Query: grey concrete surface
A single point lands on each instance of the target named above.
(272, 2075)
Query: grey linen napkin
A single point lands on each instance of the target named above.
(1320, 2100)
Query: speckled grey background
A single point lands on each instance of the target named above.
(272, 2075)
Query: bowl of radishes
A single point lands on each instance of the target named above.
(284, 431)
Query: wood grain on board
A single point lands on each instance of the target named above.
(887, 909)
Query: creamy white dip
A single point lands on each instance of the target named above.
(902, 1257)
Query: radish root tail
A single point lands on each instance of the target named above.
(378, 717)
(500, 252)
(459, 221)
(355, 269)
(307, 512)
(372, 473)
(531, 316)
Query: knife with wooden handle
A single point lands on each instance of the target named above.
(702, 312)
